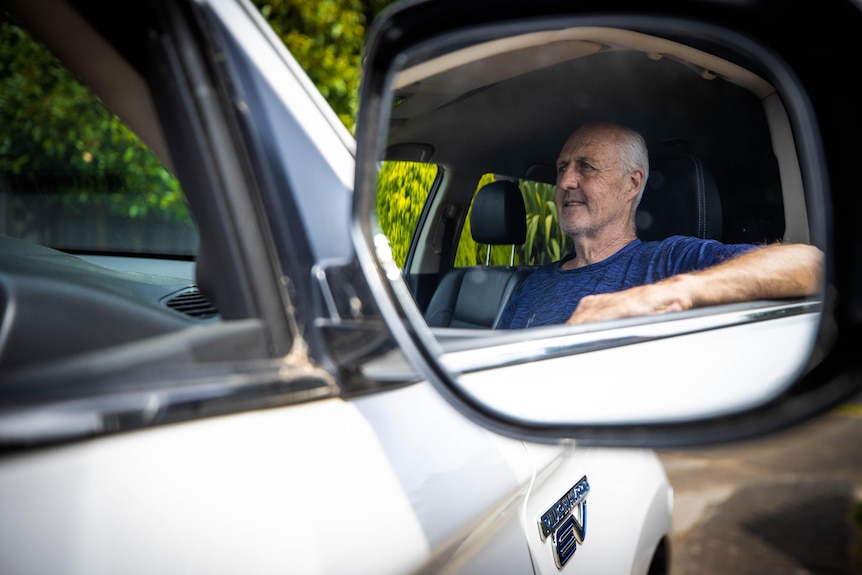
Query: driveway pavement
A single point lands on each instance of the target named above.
(787, 504)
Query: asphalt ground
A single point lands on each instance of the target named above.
(789, 503)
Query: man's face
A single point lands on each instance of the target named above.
(591, 192)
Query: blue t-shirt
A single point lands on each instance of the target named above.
(550, 295)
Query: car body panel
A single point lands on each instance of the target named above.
(391, 483)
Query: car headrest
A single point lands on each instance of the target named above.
(681, 198)
(498, 216)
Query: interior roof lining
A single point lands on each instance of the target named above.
(541, 49)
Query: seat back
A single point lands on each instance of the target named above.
(498, 216)
(475, 296)
(681, 198)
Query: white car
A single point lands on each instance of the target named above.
(235, 339)
(177, 396)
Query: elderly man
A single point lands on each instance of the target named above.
(601, 174)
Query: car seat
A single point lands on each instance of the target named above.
(474, 296)
(680, 198)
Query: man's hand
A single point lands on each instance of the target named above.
(641, 300)
(770, 272)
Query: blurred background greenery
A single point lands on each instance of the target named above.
(85, 148)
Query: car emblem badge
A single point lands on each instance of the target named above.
(559, 522)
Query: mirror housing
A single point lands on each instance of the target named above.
(419, 42)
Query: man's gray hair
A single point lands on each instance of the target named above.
(633, 155)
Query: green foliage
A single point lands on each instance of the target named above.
(546, 242)
(85, 148)
(54, 130)
(402, 188)
(327, 38)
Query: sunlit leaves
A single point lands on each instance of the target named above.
(327, 38)
(402, 188)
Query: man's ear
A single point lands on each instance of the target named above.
(637, 179)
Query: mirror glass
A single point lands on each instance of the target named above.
(474, 127)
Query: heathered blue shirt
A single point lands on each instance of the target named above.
(549, 295)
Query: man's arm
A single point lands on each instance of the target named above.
(774, 271)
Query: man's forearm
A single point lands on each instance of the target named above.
(772, 272)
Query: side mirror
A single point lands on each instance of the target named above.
(494, 96)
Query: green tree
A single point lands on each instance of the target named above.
(54, 129)
(327, 38)
(402, 188)
(82, 137)
(546, 242)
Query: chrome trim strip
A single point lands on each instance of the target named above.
(147, 400)
(530, 344)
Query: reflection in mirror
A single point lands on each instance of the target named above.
(480, 186)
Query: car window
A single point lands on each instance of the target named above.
(72, 176)
(95, 231)
(403, 188)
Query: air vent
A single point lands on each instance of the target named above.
(192, 303)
